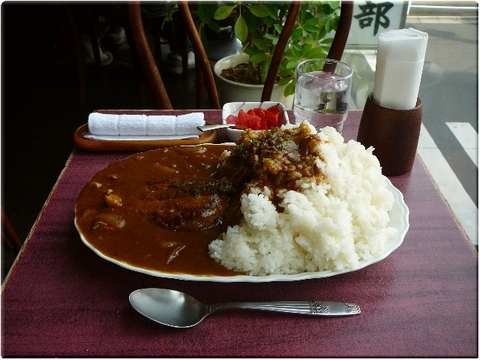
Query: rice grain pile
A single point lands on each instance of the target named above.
(323, 225)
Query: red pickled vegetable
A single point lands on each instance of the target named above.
(256, 119)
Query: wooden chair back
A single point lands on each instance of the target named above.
(10, 237)
(149, 66)
(146, 58)
(201, 58)
(205, 74)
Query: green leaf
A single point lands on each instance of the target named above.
(317, 52)
(327, 8)
(249, 51)
(292, 64)
(213, 25)
(305, 49)
(335, 23)
(312, 28)
(322, 33)
(328, 25)
(261, 44)
(258, 58)
(223, 12)
(250, 19)
(278, 28)
(333, 6)
(259, 10)
(326, 41)
(241, 30)
(296, 34)
(272, 11)
(271, 37)
(203, 35)
(290, 88)
(296, 51)
(312, 22)
(284, 81)
(268, 21)
(203, 13)
(170, 10)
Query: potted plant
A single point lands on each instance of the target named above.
(258, 26)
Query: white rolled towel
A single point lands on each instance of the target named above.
(161, 125)
(100, 124)
(132, 125)
(188, 122)
(103, 124)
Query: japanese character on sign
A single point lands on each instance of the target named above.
(374, 12)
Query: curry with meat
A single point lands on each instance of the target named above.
(160, 209)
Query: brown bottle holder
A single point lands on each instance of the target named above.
(393, 133)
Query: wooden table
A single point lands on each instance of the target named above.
(63, 300)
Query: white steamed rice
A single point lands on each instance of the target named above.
(330, 226)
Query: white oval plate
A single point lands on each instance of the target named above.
(399, 219)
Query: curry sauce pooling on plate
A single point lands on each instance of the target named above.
(159, 210)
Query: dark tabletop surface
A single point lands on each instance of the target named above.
(61, 299)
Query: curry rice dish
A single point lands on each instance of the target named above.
(281, 201)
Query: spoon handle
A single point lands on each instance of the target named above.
(317, 308)
(209, 127)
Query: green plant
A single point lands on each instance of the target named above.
(258, 25)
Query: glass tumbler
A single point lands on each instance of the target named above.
(322, 93)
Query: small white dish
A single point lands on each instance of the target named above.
(232, 108)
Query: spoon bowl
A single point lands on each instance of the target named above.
(169, 307)
(180, 310)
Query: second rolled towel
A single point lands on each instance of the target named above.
(144, 125)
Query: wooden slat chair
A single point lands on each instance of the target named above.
(149, 67)
(205, 75)
(10, 237)
(86, 15)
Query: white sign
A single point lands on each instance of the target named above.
(370, 18)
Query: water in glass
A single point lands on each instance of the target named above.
(321, 98)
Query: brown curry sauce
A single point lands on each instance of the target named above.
(107, 213)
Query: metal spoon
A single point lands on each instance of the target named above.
(180, 310)
(209, 127)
